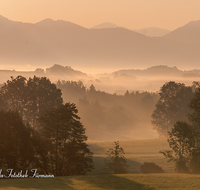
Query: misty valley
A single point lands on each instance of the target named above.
(67, 114)
(99, 108)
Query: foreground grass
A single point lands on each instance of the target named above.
(107, 182)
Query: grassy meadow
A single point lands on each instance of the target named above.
(137, 152)
(108, 182)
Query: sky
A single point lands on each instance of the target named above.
(132, 14)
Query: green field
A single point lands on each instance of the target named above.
(136, 151)
(107, 182)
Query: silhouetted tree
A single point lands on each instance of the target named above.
(184, 139)
(72, 91)
(194, 120)
(181, 143)
(172, 106)
(20, 146)
(30, 97)
(68, 153)
(41, 96)
(92, 88)
(115, 161)
(13, 94)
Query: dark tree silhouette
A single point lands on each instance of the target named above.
(115, 161)
(72, 91)
(68, 153)
(172, 106)
(41, 95)
(30, 97)
(184, 140)
(20, 146)
(181, 143)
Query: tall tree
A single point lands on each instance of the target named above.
(181, 143)
(193, 118)
(20, 146)
(41, 95)
(184, 140)
(172, 106)
(69, 153)
(116, 161)
(30, 97)
(13, 94)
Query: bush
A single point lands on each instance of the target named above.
(150, 167)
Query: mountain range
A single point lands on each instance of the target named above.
(60, 42)
(150, 31)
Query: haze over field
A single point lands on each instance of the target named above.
(104, 102)
(84, 82)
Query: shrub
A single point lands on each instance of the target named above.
(150, 167)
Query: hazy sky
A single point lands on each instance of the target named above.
(133, 14)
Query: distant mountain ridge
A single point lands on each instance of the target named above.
(58, 71)
(50, 42)
(189, 33)
(160, 71)
(150, 31)
(153, 31)
(105, 25)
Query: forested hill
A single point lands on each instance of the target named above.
(111, 116)
(160, 70)
(56, 71)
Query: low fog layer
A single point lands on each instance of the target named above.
(115, 106)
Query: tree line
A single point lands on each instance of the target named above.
(109, 111)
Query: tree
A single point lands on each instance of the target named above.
(13, 94)
(181, 143)
(72, 91)
(30, 97)
(194, 120)
(21, 147)
(116, 162)
(68, 153)
(172, 106)
(41, 96)
(184, 140)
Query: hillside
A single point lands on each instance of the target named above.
(189, 33)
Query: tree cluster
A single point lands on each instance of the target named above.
(172, 106)
(38, 130)
(183, 139)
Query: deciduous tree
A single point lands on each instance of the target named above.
(116, 161)
(30, 97)
(172, 106)
(20, 146)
